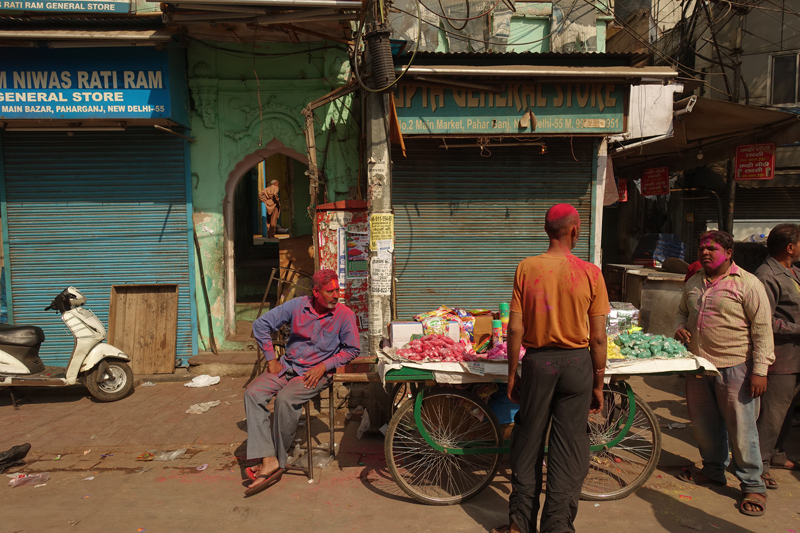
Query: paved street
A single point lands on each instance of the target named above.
(355, 493)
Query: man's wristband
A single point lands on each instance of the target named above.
(599, 371)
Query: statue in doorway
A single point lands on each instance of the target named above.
(272, 200)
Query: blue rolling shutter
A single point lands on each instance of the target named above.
(94, 209)
(463, 222)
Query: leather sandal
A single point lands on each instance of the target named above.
(770, 482)
(759, 500)
(693, 476)
(269, 481)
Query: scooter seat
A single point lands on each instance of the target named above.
(21, 335)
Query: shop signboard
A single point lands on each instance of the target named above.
(755, 162)
(655, 181)
(105, 83)
(518, 108)
(622, 189)
(67, 6)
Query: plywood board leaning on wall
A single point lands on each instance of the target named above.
(143, 323)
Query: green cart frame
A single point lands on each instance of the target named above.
(443, 444)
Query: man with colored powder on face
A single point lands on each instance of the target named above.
(781, 280)
(724, 316)
(558, 313)
(324, 336)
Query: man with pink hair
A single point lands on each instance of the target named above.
(324, 337)
(558, 313)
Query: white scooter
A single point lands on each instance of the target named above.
(100, 366)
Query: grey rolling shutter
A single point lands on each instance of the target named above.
(463, 222)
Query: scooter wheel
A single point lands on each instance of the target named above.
(112, 385)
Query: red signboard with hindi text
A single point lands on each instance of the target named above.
(755, 162)
(622, 189)
(655, 181)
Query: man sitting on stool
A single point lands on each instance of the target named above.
(324, 337)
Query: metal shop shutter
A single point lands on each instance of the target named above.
(463, 222)
(94, 209)
(763, 203)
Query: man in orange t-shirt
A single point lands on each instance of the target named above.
(558, 313)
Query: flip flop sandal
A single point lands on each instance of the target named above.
(689, 476)
(249, 473)
(4, 466)
(784, 467)
(270, 480)
(770, 482)
(752, 499)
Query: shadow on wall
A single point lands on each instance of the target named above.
(749, 255)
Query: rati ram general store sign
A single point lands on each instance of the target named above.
(106, 84)
(78, 6)
(557, 108)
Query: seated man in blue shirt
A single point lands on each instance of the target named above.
(324, 337)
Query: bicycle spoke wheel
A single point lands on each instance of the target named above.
(454, 419)
(618, 471)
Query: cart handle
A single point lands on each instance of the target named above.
(507, 447)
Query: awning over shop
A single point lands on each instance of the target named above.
(707, 133)
(636, 74)
(94, 38)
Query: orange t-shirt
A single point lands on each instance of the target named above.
(556, 295)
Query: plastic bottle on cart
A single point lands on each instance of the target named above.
(504, 314)
(497, 332)
(756, 237)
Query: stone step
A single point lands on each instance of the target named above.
(233, 363)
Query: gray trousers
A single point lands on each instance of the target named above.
(271, 434)
(556, 387)
(775, 419)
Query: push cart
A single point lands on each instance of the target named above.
(444, 443)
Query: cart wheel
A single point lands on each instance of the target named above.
(454, 419)
(618, 471)
(400, 393)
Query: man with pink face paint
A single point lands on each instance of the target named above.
(725, 317)
(324, 336)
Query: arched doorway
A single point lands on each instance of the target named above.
(250, 255)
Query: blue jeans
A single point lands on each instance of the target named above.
(723, 416)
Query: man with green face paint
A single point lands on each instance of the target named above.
(725, 317)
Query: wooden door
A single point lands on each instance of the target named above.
(143, 323)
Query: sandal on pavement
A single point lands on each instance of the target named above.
(755, 500)
(784, 466)
(270, 480)
(770, 482)
(250, 473)
(695, 477)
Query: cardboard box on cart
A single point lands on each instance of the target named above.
(482, 329)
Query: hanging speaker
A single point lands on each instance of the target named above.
(380, 53)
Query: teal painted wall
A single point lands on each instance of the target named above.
(228, 122)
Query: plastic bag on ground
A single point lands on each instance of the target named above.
(202, 381)
(364, 426)
(24, 479)
(168, 456)
(200, 408)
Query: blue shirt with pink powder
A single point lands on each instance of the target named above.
(330, 338)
